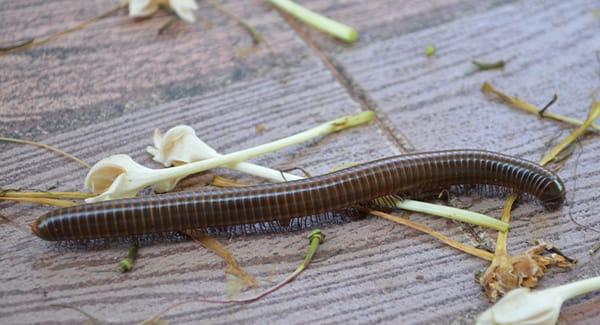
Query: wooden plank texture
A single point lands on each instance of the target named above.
(103, 90)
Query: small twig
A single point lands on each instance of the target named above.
(45, 201)
(47, 195)
(306, 173)
(47, 147)
(40, 41)
(595, 249)
(550, 103)
(91, 319)
(233, 267)
(256, 38)
(532, 109)
(20, 43)
(489, 65)
(592, 115)
(450, 242)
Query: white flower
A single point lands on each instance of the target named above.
(179, 145)
(541, 307)
(120, 177)
(144, 8)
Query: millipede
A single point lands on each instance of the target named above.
(358, 186)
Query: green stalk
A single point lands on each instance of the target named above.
(243, 155)
(129, 183)
(126, 264)
(332, 27)
(473, 218)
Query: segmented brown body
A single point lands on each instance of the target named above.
(405, 174)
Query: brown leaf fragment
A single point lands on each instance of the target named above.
(233, 267)
(524, 270)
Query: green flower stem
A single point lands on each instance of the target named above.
(126, 264)
(453, 213)
(333, 126)
(332, 27)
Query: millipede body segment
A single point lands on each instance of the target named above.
(352, 187)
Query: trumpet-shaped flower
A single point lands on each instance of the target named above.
(119, 176)
(144, 8)
(541, 307)
(179, 145)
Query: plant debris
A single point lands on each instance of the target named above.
(523, 306)
(220, 181)
(256, 37)
(329, 26)
(260, 128)
(430, 50)
(216, 247)
(487, 88)
(482, 66)
(450, 242)
(126, 264)
(568, 140)
(595, 249)
(29, 43)
(315, 238)
(524, 270)
(508, 272)
(47, 147)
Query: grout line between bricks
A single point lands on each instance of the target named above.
(356, 92)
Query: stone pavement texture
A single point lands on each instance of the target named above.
(104, 89)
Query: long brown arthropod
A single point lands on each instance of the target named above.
(352, 187)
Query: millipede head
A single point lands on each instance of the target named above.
(553, 194)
